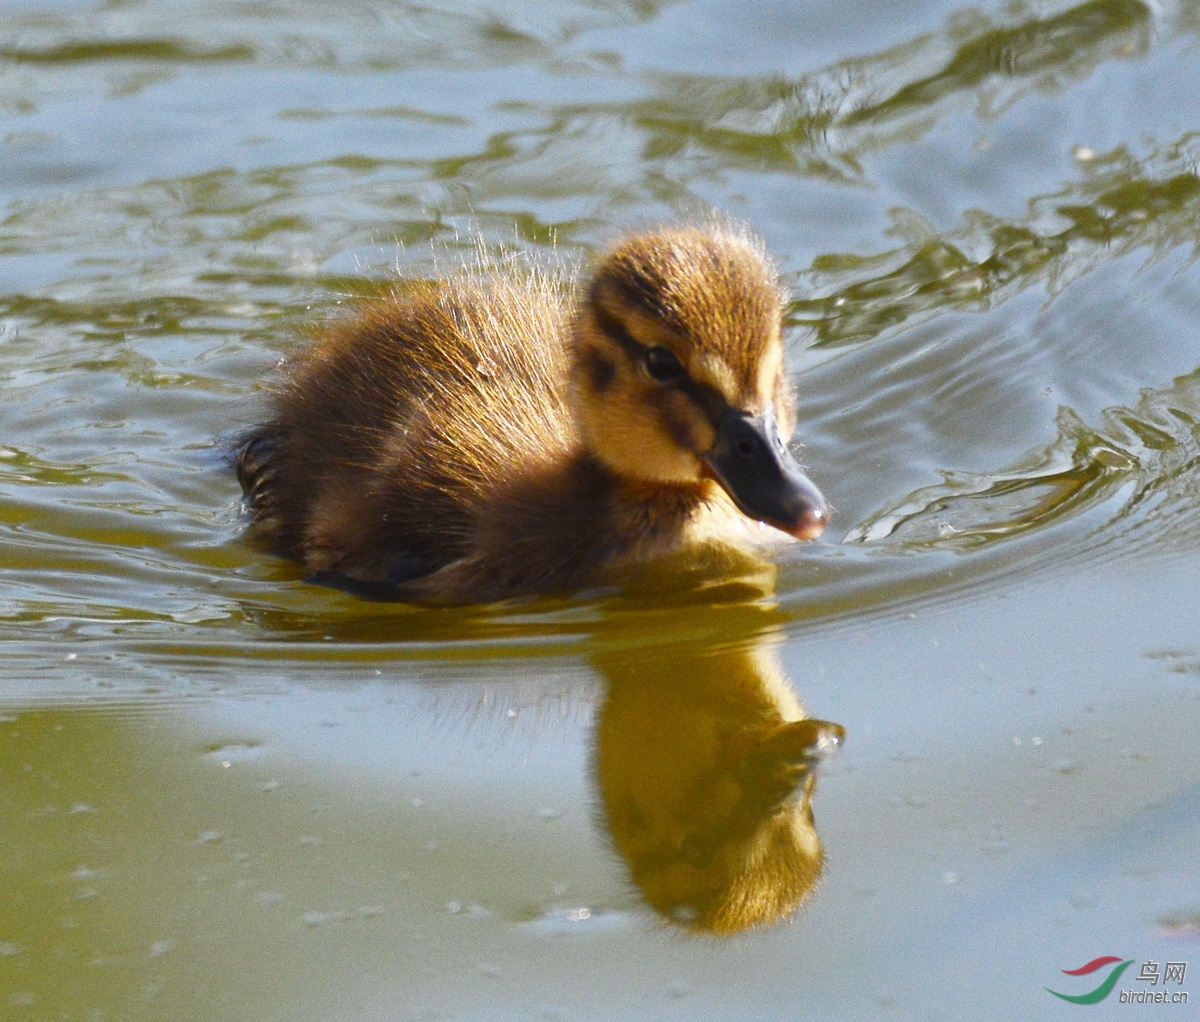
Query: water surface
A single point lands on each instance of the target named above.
(226, 793)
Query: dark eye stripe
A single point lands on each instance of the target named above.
(612, 328)
(600, 370)
(711, 401)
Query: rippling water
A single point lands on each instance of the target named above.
(228, 793)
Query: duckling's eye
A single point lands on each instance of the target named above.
(662, 365)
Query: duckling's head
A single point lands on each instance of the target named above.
(678, 372)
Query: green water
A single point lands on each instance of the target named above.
(228, 794)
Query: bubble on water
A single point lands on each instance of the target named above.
(577, 919)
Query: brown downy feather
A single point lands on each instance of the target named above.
(488, 437)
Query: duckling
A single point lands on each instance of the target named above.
(479, 439)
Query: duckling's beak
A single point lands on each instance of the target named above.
(757, 470)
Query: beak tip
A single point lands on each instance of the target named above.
(810, 524)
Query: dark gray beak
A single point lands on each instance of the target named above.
(757, 470)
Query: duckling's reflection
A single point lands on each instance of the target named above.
(704, 760)
(703, 756)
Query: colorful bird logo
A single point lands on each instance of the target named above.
(1104, 989)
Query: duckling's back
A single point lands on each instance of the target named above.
(392, 434)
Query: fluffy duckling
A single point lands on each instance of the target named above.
(475, 439)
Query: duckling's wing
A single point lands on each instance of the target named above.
(256, 471)
(394, 433)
